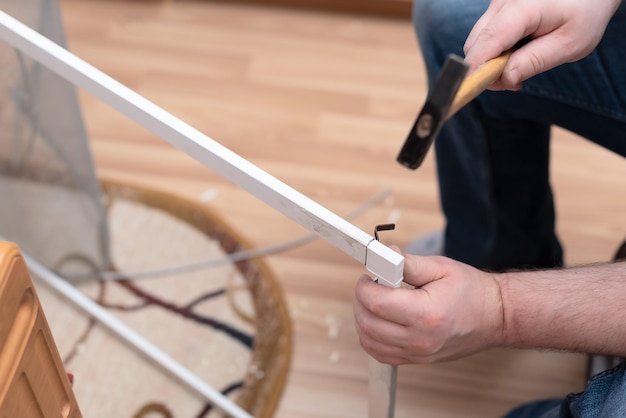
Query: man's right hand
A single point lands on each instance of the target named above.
(560, 31)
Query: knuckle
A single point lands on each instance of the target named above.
(395, 361)
(487, 35)
(423, 347)
(537, 62)
(574, 50)
(369, 346)
(365, 342)
(377, 307)
(362, 325)
(435, 320)
(428, 360)
(428, 342)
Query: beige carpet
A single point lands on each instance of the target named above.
(227, 324)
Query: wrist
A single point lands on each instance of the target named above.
(504, 336)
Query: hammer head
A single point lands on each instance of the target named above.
(434, 113)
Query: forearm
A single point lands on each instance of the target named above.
(578, 309)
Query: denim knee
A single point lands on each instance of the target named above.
(442, 27)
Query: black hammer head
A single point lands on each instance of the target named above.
(434, 112)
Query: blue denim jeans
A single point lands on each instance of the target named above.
(493, 161)
(493, 156)
(605, 397)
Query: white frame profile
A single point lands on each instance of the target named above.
(380, 260)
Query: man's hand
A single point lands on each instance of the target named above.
(454, 310)
(560, 31)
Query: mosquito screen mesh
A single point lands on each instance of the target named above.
(50, 198)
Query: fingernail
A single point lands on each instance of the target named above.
(514, 76)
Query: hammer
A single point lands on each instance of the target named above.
(451, 91)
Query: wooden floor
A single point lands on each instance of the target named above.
(323, 102)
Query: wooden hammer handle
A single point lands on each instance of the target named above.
(479, 80)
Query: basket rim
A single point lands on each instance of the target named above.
(259, 396)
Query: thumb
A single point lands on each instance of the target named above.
(421, 270)
(536, 57)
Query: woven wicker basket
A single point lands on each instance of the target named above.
(272, 346)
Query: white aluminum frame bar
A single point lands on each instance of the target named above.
(379, 259)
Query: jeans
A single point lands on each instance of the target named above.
(493, 156)
(605, 397)
(493, 160)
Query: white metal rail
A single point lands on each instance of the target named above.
(380, 260)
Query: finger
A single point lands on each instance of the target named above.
(373, 327)
(421, 270)
(383, 302)
(494, 7)
(384, 353)
(537, 56)
(503, 31)
(396, 249)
